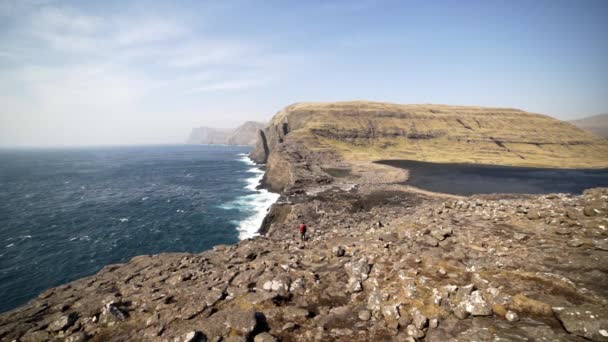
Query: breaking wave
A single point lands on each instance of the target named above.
(254, 205)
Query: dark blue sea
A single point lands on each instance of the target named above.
(66, 213)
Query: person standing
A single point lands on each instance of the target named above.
(303, 231)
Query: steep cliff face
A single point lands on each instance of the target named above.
(245, 134)
(367, 131)
(208, 135)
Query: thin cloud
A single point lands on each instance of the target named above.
(150, 32)
(63, 65)
(233, 85)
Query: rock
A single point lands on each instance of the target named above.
(338, 251)
(111, 311)
(63, 322)
(358, 269)
(520, 236)
(419, 320)
(512, 316)
(291, 313)
(410, 289)
(476, 305)
(404, 321)
(354, 285)
(441, 233)
(214, 296)
(390, 312)
(244, 322)
(587, 321)
(433, 323)
(77, 337)
(34, 336)
(365, 315)
(195, 336)
(153, 320)
(276, 285)
(429, 241)
(533, 215)
(340, 311)
(575, 243)
(601, 244)
(592, 210)
(341, 332)
(264, 337)
(289, 327)
(414, 332)
(463, 292)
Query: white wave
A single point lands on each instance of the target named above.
(256, 204)
(124, 219)
(245, 159)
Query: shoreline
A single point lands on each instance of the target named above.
(261, 200)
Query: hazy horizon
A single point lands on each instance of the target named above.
(118, 73)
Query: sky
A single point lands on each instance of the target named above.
(146, 72)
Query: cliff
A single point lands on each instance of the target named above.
(367, 131)
(245, 134)
(597, 124)
(208, 136)
(383, 261)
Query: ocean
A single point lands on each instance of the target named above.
(65, 213)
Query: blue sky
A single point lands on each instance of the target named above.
(119, 72)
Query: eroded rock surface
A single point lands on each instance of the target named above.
(480, 281)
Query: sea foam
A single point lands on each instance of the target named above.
(255, 204)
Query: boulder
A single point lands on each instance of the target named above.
(264, 337)
(244, 322)
(195, 336)
(63, 322)
(587, 321)
(419, 320)
(476, 305)
(338, 251)
(365, 315)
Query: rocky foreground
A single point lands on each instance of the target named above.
(398, 265)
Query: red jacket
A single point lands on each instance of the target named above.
(302, 228)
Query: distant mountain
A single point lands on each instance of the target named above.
(208, 135)
(597, 124)
(245, 134)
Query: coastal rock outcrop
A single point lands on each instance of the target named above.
(245, 134)
(356, 280)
